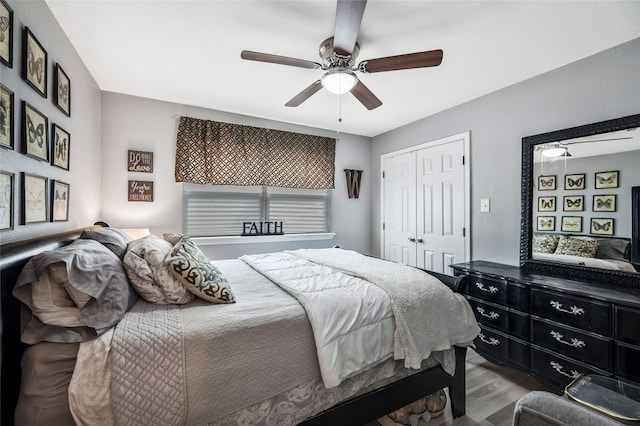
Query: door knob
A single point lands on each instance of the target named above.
(413, 240)
(420, 240)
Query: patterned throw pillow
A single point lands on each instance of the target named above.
(189, 265)
(577, 247)
(545, 243)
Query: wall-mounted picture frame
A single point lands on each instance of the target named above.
(140, 190)
(62, 90)
(571, 224)
(546, 183)
(604, 203)
(59, 201)
(546, 204)
(546, 223)
(602, 226)
(34, 198)
(7, 190)
(6, 117)
(6, 34)
(140, 161)
(573, 203)
(35, 137)
(34, 63)
(575, 181)
(60, 147)
(607, 179)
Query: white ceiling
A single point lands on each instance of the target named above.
(188, 52)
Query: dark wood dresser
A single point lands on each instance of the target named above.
(554, 328)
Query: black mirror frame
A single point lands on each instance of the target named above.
(626, 279)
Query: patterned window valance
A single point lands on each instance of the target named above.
(231, 154)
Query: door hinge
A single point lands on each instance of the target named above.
(463, 160)
(464, 232)
(383, 174)
(383, 226)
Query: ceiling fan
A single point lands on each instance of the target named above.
(339, 54)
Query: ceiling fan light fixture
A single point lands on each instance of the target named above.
(555, 151)
(339, 81)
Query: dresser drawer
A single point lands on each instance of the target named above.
(571, 310)
(558, 370)
(628, 362)
(497, 345)
(490, 289)
(627, 325)
(588, 347)
(500, 318)
(517, 296)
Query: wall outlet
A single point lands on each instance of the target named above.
(485, 205)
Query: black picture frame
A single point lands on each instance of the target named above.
(607, 179)
(35, 133)
(7, 198)
(602, 226)
(546, 223)
(62, 90)
(547, 204)
(6, 32)
(60, 147)
(547, 183)
(573, 203)
(7, 108)
(59, 201)
(574, 181)
(34, 63)
(35, 205)
(571, 224)
(604, 203)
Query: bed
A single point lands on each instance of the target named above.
(363, 402)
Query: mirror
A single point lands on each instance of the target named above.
(577, 210)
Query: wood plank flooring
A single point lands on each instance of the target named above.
(492, 392)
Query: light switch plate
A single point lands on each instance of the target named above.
(485, 205)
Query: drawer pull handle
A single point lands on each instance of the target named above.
(490, 341)
(575, 343)
(574, 310)
(490, 315)
(491, 289)
(558, 367)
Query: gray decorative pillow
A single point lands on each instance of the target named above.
(545, 243)
(148, 274)
(112, 238)
(187, 263)
(613, 248)
(576, 247)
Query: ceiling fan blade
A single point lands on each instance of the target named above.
(365, 96)
(348, 18)
(277, 59)
(305, 94)
(431, 58)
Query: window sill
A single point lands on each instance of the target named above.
(212, 241)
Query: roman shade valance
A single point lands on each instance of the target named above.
(211, 152)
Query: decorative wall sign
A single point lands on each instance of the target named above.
(34, 198)
(573, 203)
(35, 140)
(34, 63)
(6, 200)
(546, 204)
(140, 161)
(607, 179)
(571, 224)
(602, 226)
(6, 117)
(353, 182)
(546, 223)
(262, 228)
(61, 144)
(6, 34)
(61, 90)
(546, 183)
(140, 190)
(575, 181)
(604, 203)
(59, 201)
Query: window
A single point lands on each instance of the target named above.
(213, 210)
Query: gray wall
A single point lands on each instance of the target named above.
(601, 87)
(83, 125)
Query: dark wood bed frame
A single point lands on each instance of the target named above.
(356, 411)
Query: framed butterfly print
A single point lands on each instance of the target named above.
(6, 200)
(546, 204)
(62, 90)
(60, 144)
(59, 201)
(573, 203)
(546, 223)
(546, 183)
(574, 181)
(35, 139)
(607, 179)
(6, 117)
(602, 226)
(6, 34)
(34, 198)
(604, 203)
(571, 224)
(34, 63)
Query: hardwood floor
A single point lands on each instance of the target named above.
(492, 392)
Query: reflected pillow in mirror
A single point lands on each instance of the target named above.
(613, 248)
(576, 247)
(545, 243)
